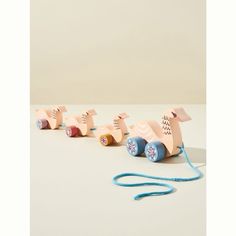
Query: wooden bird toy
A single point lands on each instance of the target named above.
(50, 118)
(113, 133)
(156, 140)
(80, 125)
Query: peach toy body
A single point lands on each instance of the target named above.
(113, 133)
(158, 140)
(80, 125)
(50, 118)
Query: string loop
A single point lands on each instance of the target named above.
(169, 187)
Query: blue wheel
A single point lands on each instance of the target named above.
(155, 151)
(136, 146)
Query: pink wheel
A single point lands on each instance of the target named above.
(72, 131)
(42, 124)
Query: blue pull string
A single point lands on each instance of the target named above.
(63, 125)
(170, 188)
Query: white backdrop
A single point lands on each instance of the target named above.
(110, 51)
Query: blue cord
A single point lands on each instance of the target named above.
(63, 125)
(169, 187)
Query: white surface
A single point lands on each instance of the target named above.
(72, 193)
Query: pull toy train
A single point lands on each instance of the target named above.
(155, 140)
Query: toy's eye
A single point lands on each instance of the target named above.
(174, 114)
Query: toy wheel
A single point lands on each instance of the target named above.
(155, 151)
(106, 139)
(72, 131)
(42, 123)
(136, 146)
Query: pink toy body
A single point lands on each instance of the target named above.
(50, 118)
(113, 133)
(167, 133)
(80, 125)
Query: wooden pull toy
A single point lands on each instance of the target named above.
(80, 125)
(113, 133)
(50, 118)
(156, 140)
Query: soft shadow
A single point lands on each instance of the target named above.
(196, 155)
(116, 145)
